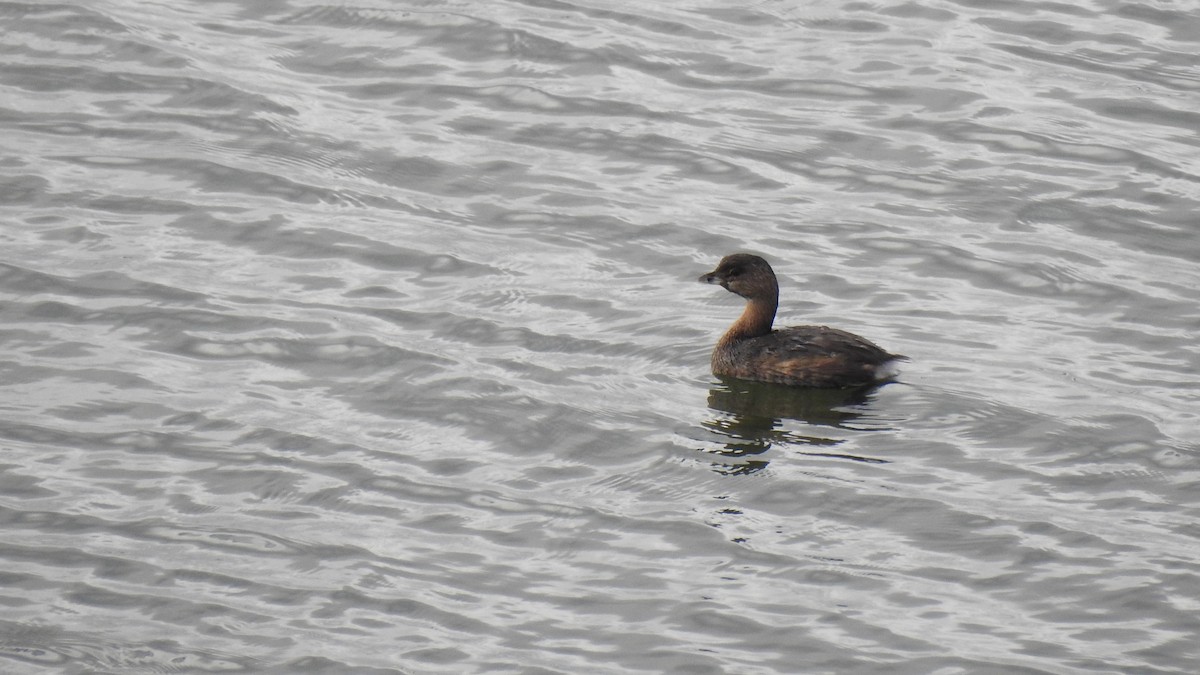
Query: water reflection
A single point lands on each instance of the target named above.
(753, 414)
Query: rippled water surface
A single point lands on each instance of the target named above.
(367, 338)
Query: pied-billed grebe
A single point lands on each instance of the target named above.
(803, 356)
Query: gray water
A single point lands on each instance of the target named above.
(368, 339)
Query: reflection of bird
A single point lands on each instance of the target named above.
(764, 404)
(804, 356)
(754, 414)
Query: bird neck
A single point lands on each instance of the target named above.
(756, 319)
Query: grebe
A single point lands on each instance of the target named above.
(802, 356)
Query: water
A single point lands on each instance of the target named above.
(367, 338)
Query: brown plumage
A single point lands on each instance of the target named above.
(803, 356)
